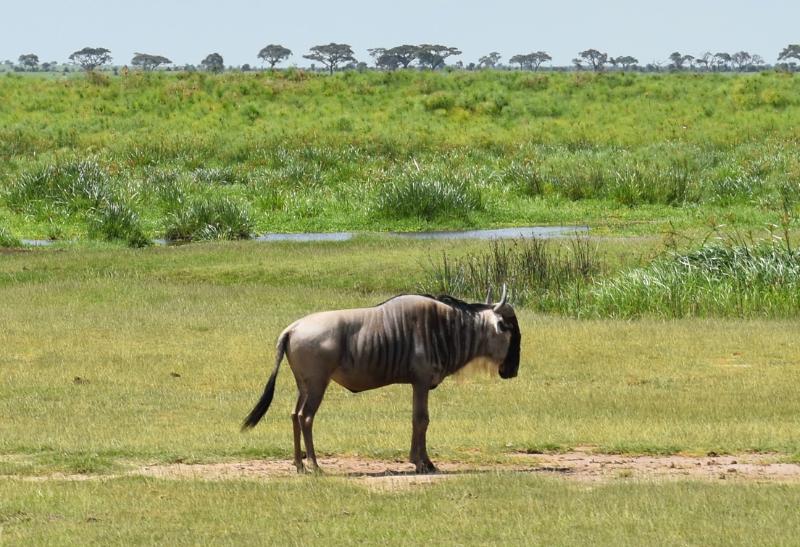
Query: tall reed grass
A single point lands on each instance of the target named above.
(8, 239)
(427, 199)
(118, 222)
(209, 218)
(730, 277)
(541, 273)
(742, 279)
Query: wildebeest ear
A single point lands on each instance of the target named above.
(489, 295)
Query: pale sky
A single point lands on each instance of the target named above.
(186, 31)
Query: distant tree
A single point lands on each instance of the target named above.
(331, 55)
(594, 58)
(704, 60)
(246, 67)
(689, 60)
(274, 54)
(490, 60)
(149, 62)
(29, 61)
(530, 61)
(741, 60)
(433, 56)
(679, 60)
(89, 58)
(626, 61)
(756, 60)
(213, 63)
(385, 60)
(404, 54)
(721, 60)
(520, 59)
(792, 51)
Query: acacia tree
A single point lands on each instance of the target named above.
(274, 54)
(213, 63)
(678, 60)
(490, 60)
(594, 58)
(331, 55)
(383, 59)
(404, 54)
(741, 60)
(720, 60)
(29, 61)
(792, 51)
(530, 61)
(395, 57)
(149, 62)
(625, 61)
(433, 55)
(89, 58)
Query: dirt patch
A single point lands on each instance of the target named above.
(584, 466)
(588, 466)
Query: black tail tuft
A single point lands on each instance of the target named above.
(262, 405)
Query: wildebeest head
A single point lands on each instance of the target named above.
(507, 322)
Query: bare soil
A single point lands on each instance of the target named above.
(584, 466)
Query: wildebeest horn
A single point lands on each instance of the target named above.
(489, 295)
(503, 299)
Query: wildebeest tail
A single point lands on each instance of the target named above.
(263, 404)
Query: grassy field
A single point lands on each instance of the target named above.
(113, 357)
(113, 354)
(153, 155)
(491, 510)
(680, 340)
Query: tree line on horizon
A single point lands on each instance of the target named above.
(335, 56)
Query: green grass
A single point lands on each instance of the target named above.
(729, 276)
(7, 239)
(92, 338)
(485, 510)
(402, 151)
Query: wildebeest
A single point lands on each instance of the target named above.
(409, 339)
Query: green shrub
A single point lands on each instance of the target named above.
(524, 177)
(427, 199)
(209, 218)
(737, 280)
(439, 100)
(540, 272)
(117, 222)
(218, 175)
(74, 185)
(7, 239)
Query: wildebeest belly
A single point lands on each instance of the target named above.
(358, 379)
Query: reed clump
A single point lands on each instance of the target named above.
(209, 219)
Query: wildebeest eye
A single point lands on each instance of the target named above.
(503, 326)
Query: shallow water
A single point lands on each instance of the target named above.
(498, 233)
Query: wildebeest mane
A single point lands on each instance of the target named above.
(451, 301)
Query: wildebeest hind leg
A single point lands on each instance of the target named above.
(306, 420)
(298, 456)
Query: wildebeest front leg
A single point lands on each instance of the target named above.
(419, 450)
